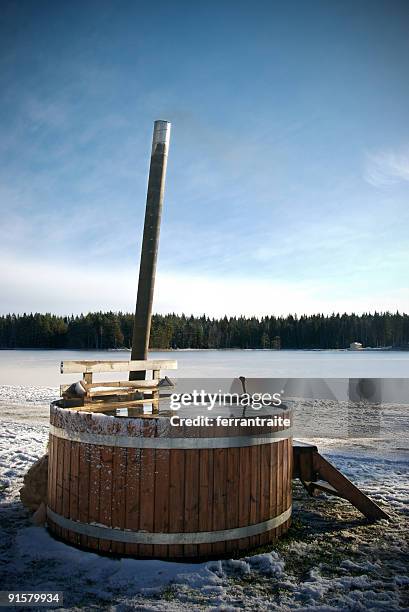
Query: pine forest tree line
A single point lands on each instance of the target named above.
(110, 330)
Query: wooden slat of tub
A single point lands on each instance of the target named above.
(219, 496)
(205, 497)
(59, 465)
(289, 480)
(290, 473)
(51, 478)
(191, 514)
(244, 494)
(118, 495)
(161, 520)
(147, 489)
(255, 492)
(94, 490)
(273, 488)
(285, 481)
(66, 534)
(74, 486)
(233, 479)
(232, 499)
(265, 477)
(206, 491)
(133, 472)
(284, 484)
(105, 486)
(176, 498)
(55, 472)
(279, 477)
(83, 491)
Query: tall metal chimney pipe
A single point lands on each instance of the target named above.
(150, 243)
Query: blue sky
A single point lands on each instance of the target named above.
(288, 175)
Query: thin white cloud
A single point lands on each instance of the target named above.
(65, 288)
(387, 168)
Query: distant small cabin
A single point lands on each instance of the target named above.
(355, 346)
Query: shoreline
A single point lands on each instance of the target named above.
(385, 349)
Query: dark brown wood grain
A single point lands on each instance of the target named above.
(176, 498)
(84, 488)
(161, 519)
(59, 460)
(205, 497)
(66, 487)
(279, 481)
(191, 503)
(74, 488)
(232, 484)
(105, 493)
(265, 471)
(51, 477)
(244, 493)
(119, 494)
(255, 464)
(219, 497)
(94, 490)
(132, 496)
(147, 489)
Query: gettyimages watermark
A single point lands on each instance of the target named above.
(213, 401)
(209, 400)
(319, 407)
(219, 421)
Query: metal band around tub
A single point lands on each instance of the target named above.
(143, 537)
(169, 443)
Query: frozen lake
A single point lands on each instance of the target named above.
(323, 411)
(27, 367)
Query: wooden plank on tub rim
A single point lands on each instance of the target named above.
(88, 366)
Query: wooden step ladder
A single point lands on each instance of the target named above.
(317, 474)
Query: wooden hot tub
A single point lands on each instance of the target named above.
(139, 486)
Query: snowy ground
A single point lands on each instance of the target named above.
(332, 559)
